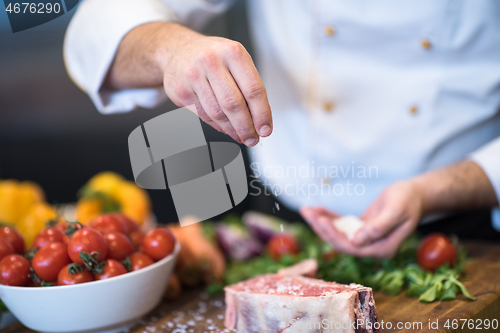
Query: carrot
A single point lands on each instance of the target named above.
(174, 288)
(199, 253)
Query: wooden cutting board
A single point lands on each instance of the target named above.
(195, 311)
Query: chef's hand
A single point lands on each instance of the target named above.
(389, 220)
(212, 76)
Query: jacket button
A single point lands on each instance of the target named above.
(426, 44)
(328, 106)
(413, 109)
(329, 30)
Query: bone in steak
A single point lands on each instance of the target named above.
(288, 304)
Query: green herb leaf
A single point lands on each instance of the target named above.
(429, 296)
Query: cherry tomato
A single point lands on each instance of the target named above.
(108, 223)
(14, 238)
(49, 261)
(14, 270)
(50, 235)
(119, 246)
(65, 278)
(87, 240)
(436, 250)
(137, 237)
(5, 248)
(62, 227)
(140, 260)
(282, 244)
(158, 243)
(127, 221)
(112, 268)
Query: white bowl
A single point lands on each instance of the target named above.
(110, 305)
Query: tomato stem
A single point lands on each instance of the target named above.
(127, 264)
(31, 253)
(72, 228)
(74, 268)
(91, 263)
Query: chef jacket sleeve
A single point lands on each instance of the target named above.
(96, 30)
(488, 158)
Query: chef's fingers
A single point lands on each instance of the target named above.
(377, 226)
(211, 106)
(250, 84)
(386, 247)
(308, 213)
(203, 116)
(231, 101)
(324, 227)
(325, 212)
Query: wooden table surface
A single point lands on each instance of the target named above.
(196, 312)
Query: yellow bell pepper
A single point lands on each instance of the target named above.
(34, 221)
(107, 192)
(134, 201)
(106, 182)
(88, 209)
(16, 198)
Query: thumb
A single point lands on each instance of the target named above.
(374, 229)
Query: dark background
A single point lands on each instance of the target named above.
(50, 131)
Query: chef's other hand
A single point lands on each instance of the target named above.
(389, 220)
(212, 76)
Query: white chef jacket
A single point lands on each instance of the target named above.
(363, 93)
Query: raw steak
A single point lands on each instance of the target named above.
(285, 304)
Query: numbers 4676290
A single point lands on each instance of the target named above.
(476, 324)
(33, 8)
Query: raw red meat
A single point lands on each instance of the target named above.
(288, 304)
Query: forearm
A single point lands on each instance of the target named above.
(142, 54)
(463, 185)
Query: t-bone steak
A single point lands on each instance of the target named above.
(288, 304)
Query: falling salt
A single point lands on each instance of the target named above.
(277, 205)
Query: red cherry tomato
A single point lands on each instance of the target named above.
(137, 237)
(108, 223)
(87, 240)
(50, 235)
(14, 270)
(112, 268)
(158, 243)
(127, 221)
(282, 244)
(436, 250)
(5, 248)
(140, 260)
(49, 260)
(119, 246)
(61, 227)
(65, 278)
(14, 238)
